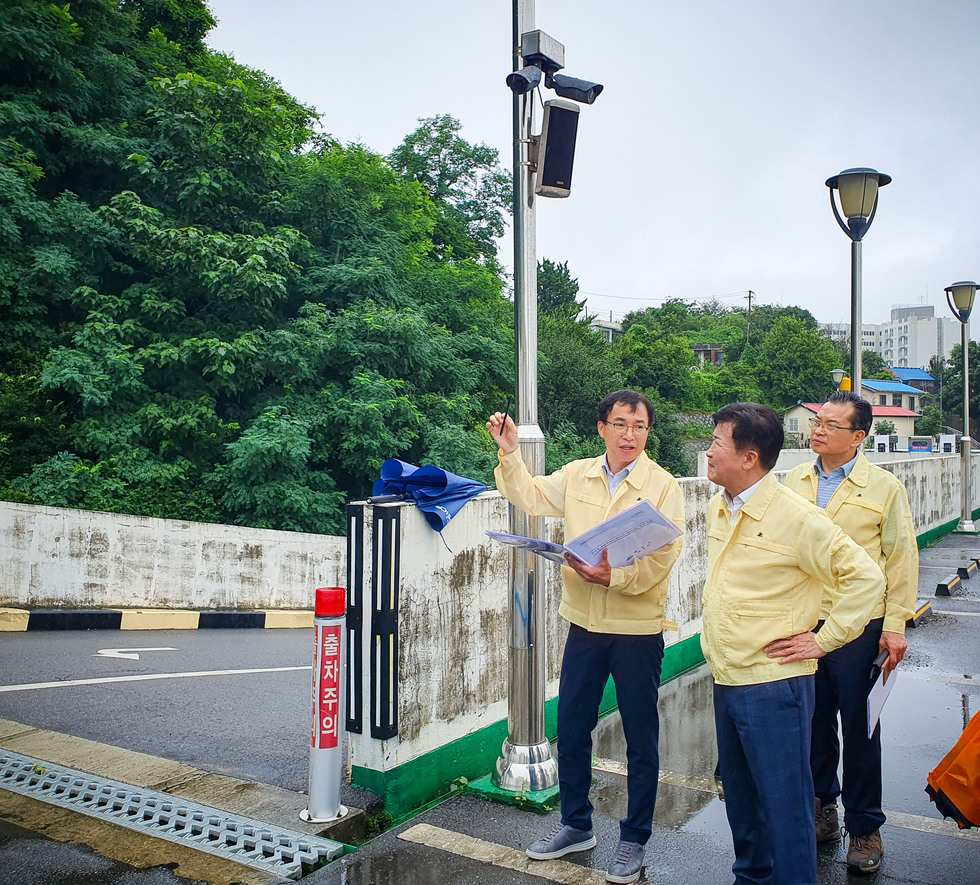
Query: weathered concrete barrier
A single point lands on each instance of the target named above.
(444, 627)
(51, 557)
(428, 613)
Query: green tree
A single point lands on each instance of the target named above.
(884, 427)
(931, 422)
(656, 360)
(873, 366)
(557, 291)
(464, 180)
(576, 370)
(794, 363)
(952, 385)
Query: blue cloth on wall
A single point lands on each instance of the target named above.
(439, 494)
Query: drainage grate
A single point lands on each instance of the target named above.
(286, 853)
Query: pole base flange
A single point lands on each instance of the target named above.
(523, 768)
(305, 815)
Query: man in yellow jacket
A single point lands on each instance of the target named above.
(872, 507)
(615, 618)
(772, 559)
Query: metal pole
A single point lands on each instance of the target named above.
(526, 761)
(966, 521)
(857, 327)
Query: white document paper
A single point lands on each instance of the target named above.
(877, 697)
(629, 535)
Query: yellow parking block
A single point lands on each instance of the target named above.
(281, 618)
(158, 619)
(13, 620)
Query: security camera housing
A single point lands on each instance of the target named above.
(584, 91)
(524, 80)
(543, 50)
(556, 149)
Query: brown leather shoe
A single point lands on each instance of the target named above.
(864, 853)
(828, 824)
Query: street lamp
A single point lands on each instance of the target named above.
(858, 201)
(960, 297)
(837, 376)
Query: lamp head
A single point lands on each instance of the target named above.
(960, 297)
(837, 376)
(858, 189)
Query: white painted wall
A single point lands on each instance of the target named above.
(453, 596)
(454, 625)
(60, 558)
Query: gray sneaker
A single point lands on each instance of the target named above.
(562, 841)
(626, 863)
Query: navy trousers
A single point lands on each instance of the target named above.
(842, 685)
(764, 761)
(634, 663)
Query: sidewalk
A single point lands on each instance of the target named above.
(470, 840)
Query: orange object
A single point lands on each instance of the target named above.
(954, 784)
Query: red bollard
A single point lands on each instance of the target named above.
(326, 740)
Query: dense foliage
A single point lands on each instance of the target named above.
(211, 311)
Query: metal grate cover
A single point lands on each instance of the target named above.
(259, 845)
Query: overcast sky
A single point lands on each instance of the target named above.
(700, 170)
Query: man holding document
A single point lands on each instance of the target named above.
(615, 617)
(871, 505)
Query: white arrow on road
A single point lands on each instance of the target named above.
(128, 653)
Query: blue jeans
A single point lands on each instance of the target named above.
(634, 664)
(764, 761)
(842, 686)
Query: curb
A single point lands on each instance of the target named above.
(923, 610)
(952, 585)
(18, 620)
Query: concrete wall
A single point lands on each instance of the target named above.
(789, 458)
(54, 557)
(453, 624)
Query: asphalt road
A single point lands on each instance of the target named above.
(255, 726)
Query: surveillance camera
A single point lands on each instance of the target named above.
(573, 88)
(524, 80)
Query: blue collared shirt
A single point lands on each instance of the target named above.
(613, 480)
(828, 483)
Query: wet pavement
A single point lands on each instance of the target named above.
(470, 840)
(937, 691)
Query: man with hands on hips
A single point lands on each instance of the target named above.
(773, 560)
(615, 618)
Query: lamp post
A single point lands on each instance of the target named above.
(526, 761)
(960, 297)
(858, 189)
(837, 376)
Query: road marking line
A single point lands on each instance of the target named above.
(688, 781)
(946, 611)
(130, 654)
(68, 683)
(937, 827)
(501, 856)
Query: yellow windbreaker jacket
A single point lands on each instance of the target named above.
(872, 506)
(634, 600)
(766, 578)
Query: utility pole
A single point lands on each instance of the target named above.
(748, 325)
(526, 761)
